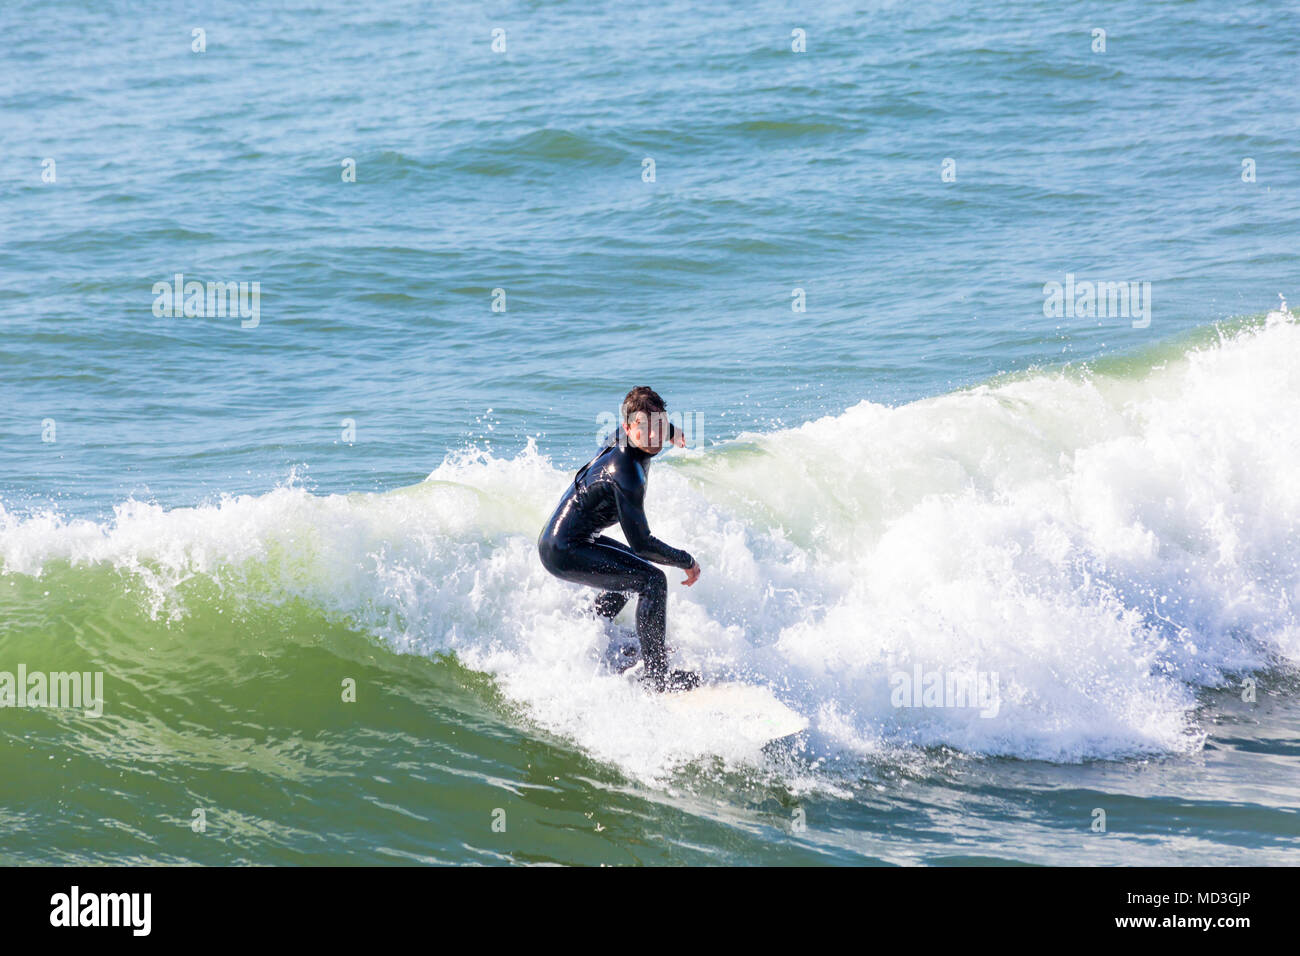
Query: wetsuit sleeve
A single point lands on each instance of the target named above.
(631, 518)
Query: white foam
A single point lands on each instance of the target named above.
(1105, 545)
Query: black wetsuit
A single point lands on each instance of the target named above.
(609, 488)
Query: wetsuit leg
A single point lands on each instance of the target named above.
(612, 567)
(609, 603)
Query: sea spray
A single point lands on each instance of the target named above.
(1110, 545)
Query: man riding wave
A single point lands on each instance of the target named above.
(611, 488)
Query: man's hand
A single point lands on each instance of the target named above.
(692, 574)
(676, 436)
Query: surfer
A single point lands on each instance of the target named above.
(609, 488)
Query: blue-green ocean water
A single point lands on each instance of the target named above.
(836, 273)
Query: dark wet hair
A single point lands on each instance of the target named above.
(643, 398)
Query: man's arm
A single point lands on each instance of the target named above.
(631, 518)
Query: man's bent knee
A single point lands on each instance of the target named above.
(655, 580)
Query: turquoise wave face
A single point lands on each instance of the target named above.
(845, 267)
(1105, 551)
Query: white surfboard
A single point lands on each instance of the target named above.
(744, 710)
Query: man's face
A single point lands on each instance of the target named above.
(647, 431)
